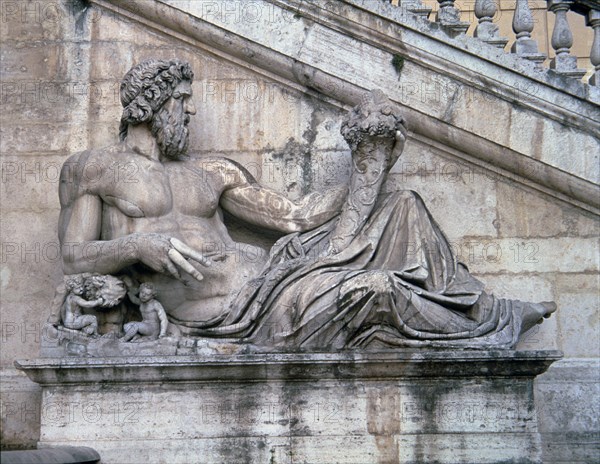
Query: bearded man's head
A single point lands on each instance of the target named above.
(144, 91)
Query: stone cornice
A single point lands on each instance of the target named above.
(572, 106)
(404, 364)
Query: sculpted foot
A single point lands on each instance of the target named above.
(535, 313)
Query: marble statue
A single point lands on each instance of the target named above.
(154, 319)
(343, 275)
(90, 292)
(71, 311)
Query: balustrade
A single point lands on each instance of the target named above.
(524, 45)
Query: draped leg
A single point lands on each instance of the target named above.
(396, 284)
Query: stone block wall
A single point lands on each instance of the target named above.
(44, 101)
(62, 62)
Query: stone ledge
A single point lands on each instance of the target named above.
(403, 364)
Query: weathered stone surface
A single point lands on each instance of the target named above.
(570, 434)
(523, 213)
(22, 327)
(413, 405)
(20, 406)
(26, 181)
(523, 255)
(28, 248)
(579, 326)
(28, 139)
(348, 364)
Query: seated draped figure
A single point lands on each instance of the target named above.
(344, 273)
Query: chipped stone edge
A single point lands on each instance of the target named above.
(290, 366)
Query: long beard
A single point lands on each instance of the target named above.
(171, 133)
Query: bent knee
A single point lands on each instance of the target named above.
(89, 319)
(376, 282)
(130, 325)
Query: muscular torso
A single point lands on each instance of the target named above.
(179, 199)
(149, 313)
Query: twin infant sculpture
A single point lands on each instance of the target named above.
(343, 275)
(154, 321)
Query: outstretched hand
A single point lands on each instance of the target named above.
(168, 255)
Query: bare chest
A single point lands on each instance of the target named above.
(154, 190)
(149, 311)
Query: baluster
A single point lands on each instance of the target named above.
(593, 20)
(522, 25)
(486, 30)
(448, 15)
(562, 41)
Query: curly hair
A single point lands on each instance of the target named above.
(73, 281)
(148, 286)
(146, 87)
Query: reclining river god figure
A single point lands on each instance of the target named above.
(343, 275)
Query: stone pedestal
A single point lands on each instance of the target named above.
(387, 407)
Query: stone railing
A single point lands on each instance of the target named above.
(564, 63)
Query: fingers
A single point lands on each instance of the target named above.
(178, 259)
(171, 269)
(190, 252)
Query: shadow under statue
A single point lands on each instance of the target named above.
(345, 274)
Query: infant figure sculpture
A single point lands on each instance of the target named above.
(71, 310)
(154, 320)
(341, 276)
(89, 293)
